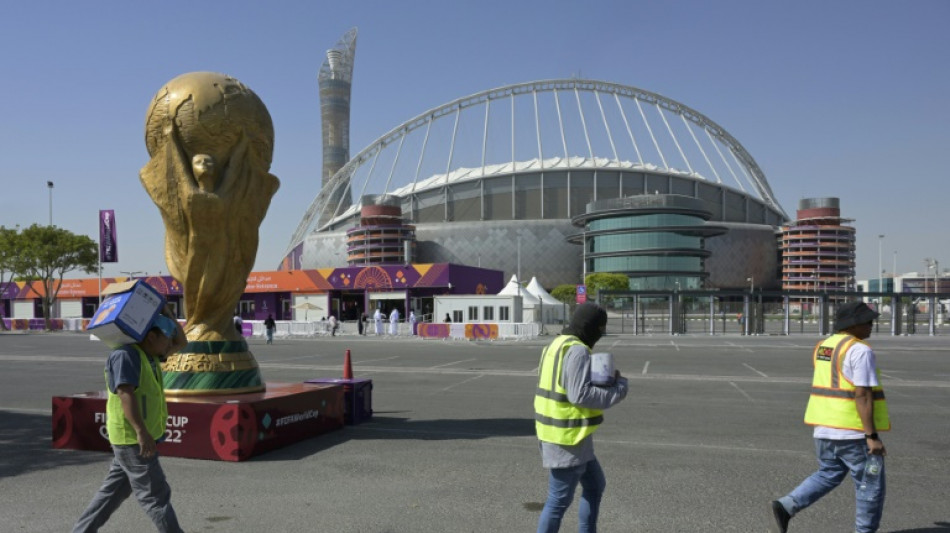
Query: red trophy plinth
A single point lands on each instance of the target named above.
(218, 427)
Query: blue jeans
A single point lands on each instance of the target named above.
(561, 485)
(836, 458)
(131, 474)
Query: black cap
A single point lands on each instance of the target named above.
(586, 322)
(853, 314)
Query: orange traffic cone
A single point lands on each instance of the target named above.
(347, 366)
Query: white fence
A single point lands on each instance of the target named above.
(286, 329)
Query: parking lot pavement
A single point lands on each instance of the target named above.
(711, 431)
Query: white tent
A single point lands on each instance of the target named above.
(530, 304)
(552, 309)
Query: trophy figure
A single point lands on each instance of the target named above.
(210, 141)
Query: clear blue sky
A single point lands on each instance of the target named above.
(840, 98)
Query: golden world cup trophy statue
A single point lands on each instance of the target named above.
(211, 141)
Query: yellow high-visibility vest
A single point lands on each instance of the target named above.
(150, 395)
(832, 395)
(556, 419)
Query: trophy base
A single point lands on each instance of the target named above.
(220, 427)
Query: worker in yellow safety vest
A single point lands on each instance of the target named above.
(568, 409)
(847, 409)
(136, 415)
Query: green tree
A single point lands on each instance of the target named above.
(565, 293)
(605, 281)
(11, 260)
(49, 253)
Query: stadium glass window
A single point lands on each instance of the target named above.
(644, 241)
(658, 184)
(528, 197)
(246, 307)
(430, 206)
(645, 221)
(554, 195)
(498, 198)
(457, 316)
(472, 313)
(503, 314)
(488, 313)
(684, 186)
(582, 191)
(608, 185)
(735, 207)
(647, 264)
(465, 201)
(631, 184)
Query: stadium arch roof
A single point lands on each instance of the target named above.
(618, 135)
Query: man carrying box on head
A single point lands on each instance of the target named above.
(136, 415)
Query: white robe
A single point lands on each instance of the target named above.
(378, 318)
(394, 322)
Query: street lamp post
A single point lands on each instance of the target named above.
(132, 273)
(49, 185)
(880, 268)
(748, 315)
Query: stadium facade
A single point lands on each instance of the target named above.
(495, 180)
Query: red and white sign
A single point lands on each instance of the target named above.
(581, 295)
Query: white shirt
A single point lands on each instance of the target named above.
(859, 367)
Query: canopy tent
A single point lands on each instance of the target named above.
(530, 303)
(515, 289)
(552, 309)
(307, 307)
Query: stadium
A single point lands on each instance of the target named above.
(509, 179)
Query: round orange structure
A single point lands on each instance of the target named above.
(818, 248)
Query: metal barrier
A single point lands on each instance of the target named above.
(737, 312)
(459, 330)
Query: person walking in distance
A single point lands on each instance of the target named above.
(269, 327)
(136, 414)
(568, 409)
(239, 324)
(847, 408)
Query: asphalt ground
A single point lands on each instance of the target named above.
(710, 433)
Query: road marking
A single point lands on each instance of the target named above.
(26, 411)
(675, 346)
(360, 369)
(453, 363)
(763, 374)
(374, 360)
(459, 383)
(645, 367)
(889, 376)
(747, 397)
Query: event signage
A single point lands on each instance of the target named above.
(218, 427)
(581, 295)
(108, 249)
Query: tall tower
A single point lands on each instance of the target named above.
(818, 248)
(335, 80)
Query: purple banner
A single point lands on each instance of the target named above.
(108, 250)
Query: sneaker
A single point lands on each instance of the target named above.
(781, 517)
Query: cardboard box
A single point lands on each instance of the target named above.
(126, 313)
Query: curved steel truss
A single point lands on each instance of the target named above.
(711, 148)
